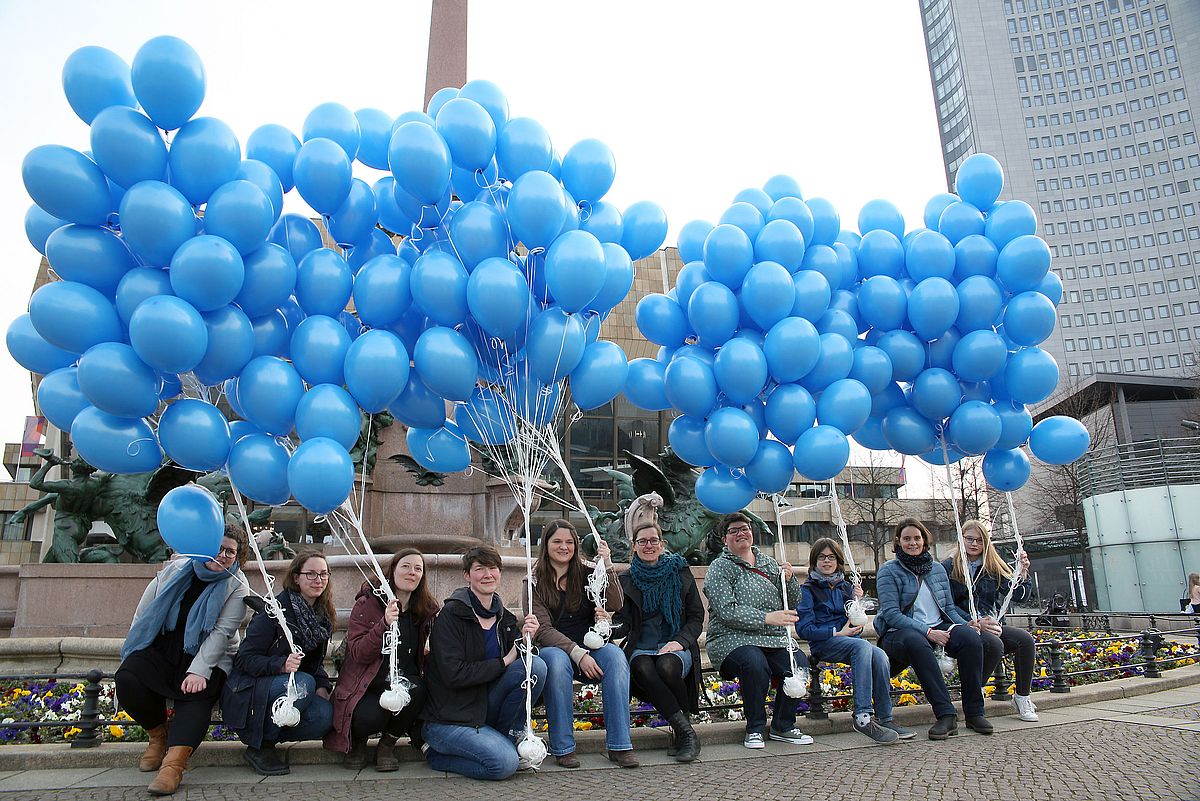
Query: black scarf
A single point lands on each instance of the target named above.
(484, 612)
(310, 629)
(920, 565)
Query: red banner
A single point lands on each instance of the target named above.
(35, 430)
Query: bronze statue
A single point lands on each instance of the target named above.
(77, 501)
(367, 446)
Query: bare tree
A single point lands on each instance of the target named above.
(964, 491)
(871, 502)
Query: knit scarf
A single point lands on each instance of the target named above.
(660, 587)
(920, 565)
(310, 630)
(482, 611)
(163, 612)
(832, 580)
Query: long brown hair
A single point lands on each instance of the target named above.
(421, 602)
(546, 580)
(324, 601)
(992, 561)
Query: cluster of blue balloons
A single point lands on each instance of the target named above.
(182, 280)
(785, 334)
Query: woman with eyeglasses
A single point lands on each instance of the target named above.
(990, 580)
(917, 614)
(661, 620)
(831, 638)
(180, 647)
(365, 674)
(748, 629)
(565, 615)
(264, 662)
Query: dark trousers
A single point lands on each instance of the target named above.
(906, 647)
(192, 711)
(370, 718)
(658, 680)
(754, 668)
(1011, 641)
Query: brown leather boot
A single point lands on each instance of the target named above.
(171, 772)
(385, 755)
(152, 757)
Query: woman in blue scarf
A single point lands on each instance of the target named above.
(662, 619)
(181, 646)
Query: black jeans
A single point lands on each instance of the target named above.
(1011, 641)
(370, 718)
(659, 682)
(192, 711)
(754, 668)
(906, 647)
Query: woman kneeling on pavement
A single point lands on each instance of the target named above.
(661, 621)
(748, 629)
(831, 638)
(264, 662)
(565, 615)
(917, 613)
(181, 646)
(365, 675)
(990, 582)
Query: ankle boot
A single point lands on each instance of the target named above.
(152, 757)
(385, 755)
(171, 773)
(946, 726)
(687, 744)
(356, 757)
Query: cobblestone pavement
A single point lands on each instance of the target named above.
(1186, 712)
(1096, 759)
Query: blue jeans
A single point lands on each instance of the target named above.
(316, 713)
(872, 672)
(754, 667)
(487, 752)
(560, 698)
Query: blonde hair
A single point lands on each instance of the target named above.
(1193, 581)
(992, 561)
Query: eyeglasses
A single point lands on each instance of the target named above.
(973, 540)
(649, 543)
(313, 575)
(742, 529)
(829, 556)
(228, 553)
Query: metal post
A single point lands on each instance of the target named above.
(1149, 657)
(816, 703)
(1059, 683)
(89, 716)
(1001, 679)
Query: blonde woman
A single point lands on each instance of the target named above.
(1190, 603)
(990, 579)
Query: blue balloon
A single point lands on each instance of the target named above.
(1029, 318)
(691, 240)
(443, 450)
(691, 386)
(575, 270)
(536, 208)
(834, 363)
(979, 355)
(1052, 287)
(936, 393)
(644, 229)
(439, 288)
(375, 131)
(588, 170)
(826, 222)
(271, 335)
(195, 435)
(93, 256)
(269, 280)
(907, 432)
(604, 222)
(127, 147)
(376, 369)
(847, 265)
(870, 435)
(713, 313)
(771, 468)
(168, 79)
(979, 180)
(207, 272)
(155, 220)
(980, 303)
(645, 385)
(722, 491)
(447, 363)
(355, 219)
(934, 208)
(1059, 440)
(780, 241)
(73, 316)
(929, 255)
(906, 352)
(478, 232)
(890, 398)
(880, 253)
(39, 225)
(116, 381)
(318, 350)
(1006, 469)
(941, 350)
(600, 375)
(974, 428)
(240, 213)
(1015, 424)
(269, 390)
(327, 410)
(740, 370)
(191, 521)
(1031, 375)
(744, 216)
(1009, 220)
(661, 321)
(94, 79)
(974, 255)
(845, 405)
(391, 216)
(67, 184)
(813, 294)
(728, 255)
(768, 293)
(792, 348)
(872, 367)
(790, 411)
(555, 344)
(59, 398)
(618, 279)
(469, 132)
(204, 155)
(418, 406)
(731, 436)
(689, 279)
(138, 285)
(336, 122)
(484, 418)
(119, 445)
(498, 297)
(686, 437)
(323, 175)
(933, 307)
(382, 290)
(821, 453)
(276, 147)
(522, 145)
(959, 221)
(883, 302)
(797, 212)
(230, 345)
(1023, 264)
(420, 161)
(258, 468)
(323, 283)
(881, 215)
(778, 187)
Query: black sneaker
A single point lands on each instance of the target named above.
(876, 732)
(266, 761)
(946, 726)
(980, 724)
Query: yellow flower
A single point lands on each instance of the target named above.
(583, 725)
(122, 715)
(71, 732)
(116, 731)
(906, 700)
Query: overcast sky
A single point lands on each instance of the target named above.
(697, 100)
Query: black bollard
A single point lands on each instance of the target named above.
(1150, 641)
(1059, 682)
(89, 716)
(816, 702)
(1001, 679)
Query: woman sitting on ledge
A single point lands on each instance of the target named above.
(180, 646)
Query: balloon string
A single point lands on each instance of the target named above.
(962, 545)
(272, 602)
(1017, 560)
(853, 575)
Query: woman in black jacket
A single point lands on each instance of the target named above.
(264, 661)
(662, 619)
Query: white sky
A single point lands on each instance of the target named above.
(697, 100)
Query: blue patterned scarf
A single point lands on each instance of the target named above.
(163, 612)
(660, 587)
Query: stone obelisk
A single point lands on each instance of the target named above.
(447, 61)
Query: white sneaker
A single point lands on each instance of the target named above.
(754, 740)
(793, 736)
(1026, 711)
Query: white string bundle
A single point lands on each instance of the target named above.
(944, 660)
(795, 685)
(856, 610)
(1013, 582)
(399, 692)
(597, 583)
(962, 545)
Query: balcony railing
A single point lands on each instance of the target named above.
(1135, 465)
